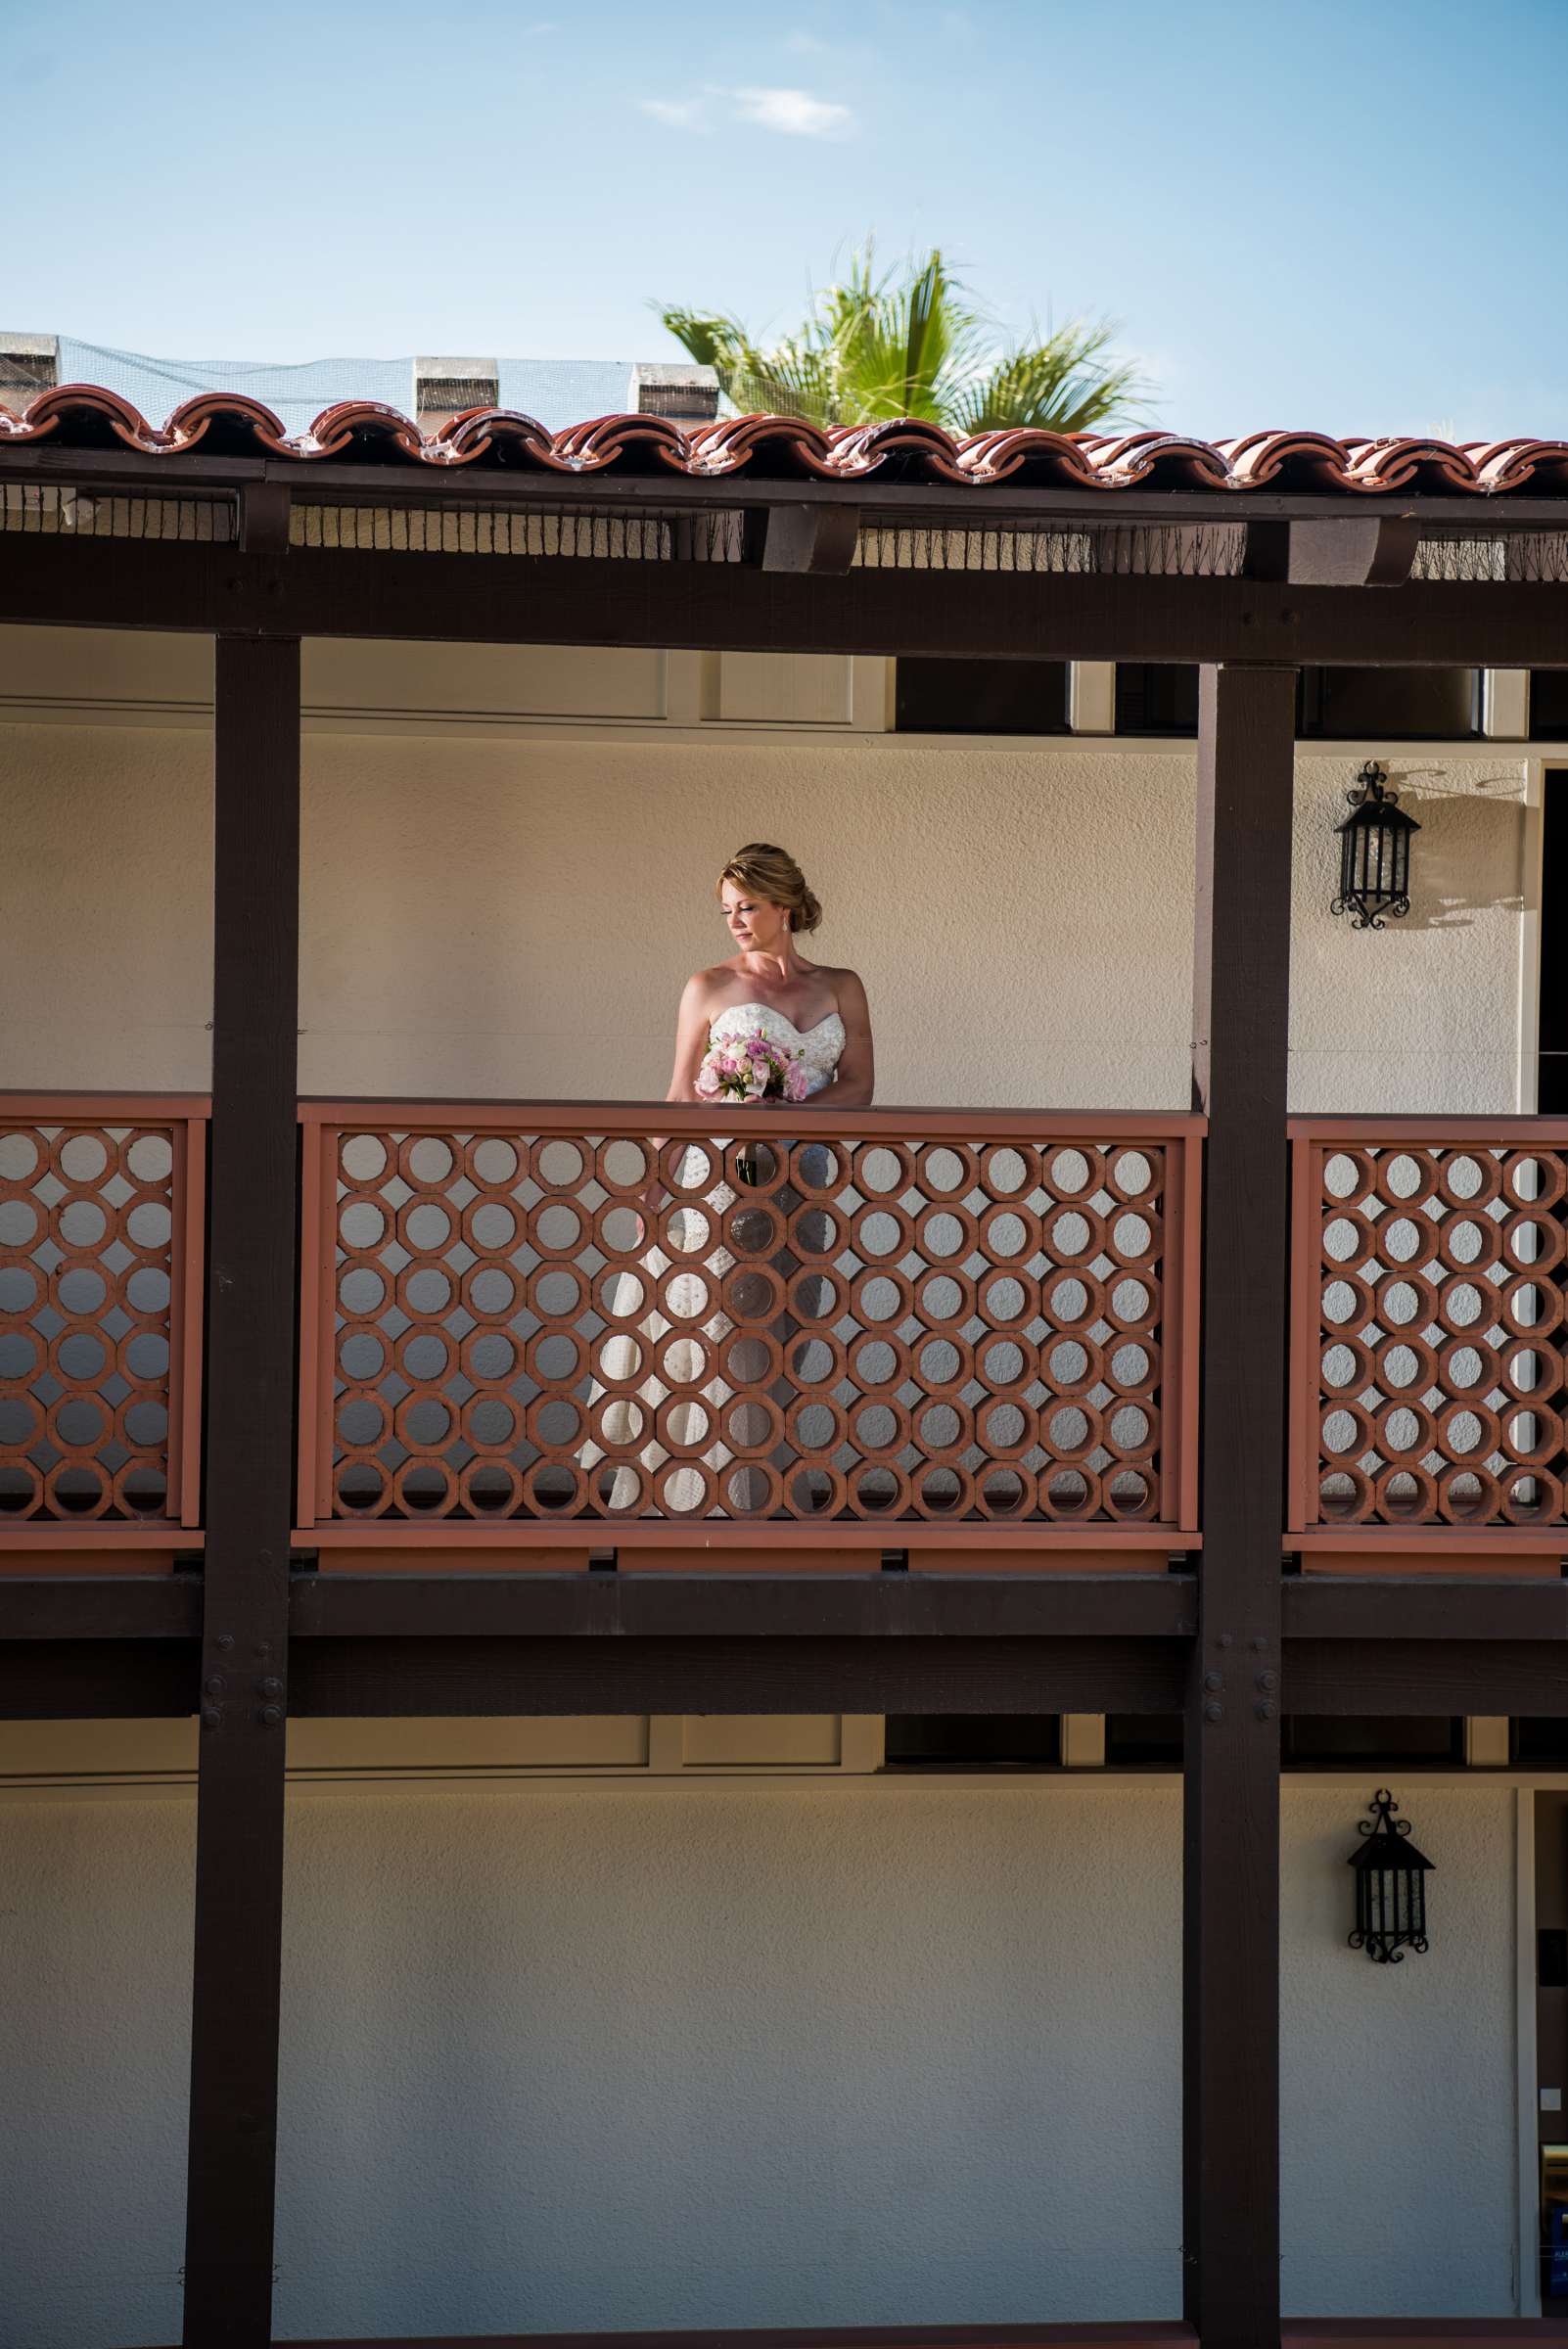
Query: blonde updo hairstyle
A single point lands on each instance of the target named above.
(772, 873)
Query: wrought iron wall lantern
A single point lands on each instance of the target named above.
(1374, 852)
(1390, 1886)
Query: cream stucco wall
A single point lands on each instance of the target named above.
(513, 913)
(1397, 2121)
(579, 2056)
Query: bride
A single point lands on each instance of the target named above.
(814, 1010)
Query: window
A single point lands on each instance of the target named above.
(1541, 1744)
(1143, 1741)
(1353, 705)
(1549, 705)
(973, 1741)
(1371, 1741)
(1343, 705)
(1156, 697)
(981, 697)
(1153, 1741)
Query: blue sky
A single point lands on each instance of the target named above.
(1344, 215)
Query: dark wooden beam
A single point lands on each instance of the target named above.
(248, 1454)
(1355, 550)
(818, 538)
(617, 1606)
(1231, 1967)
(265, 508)
(454, 1677)
(496, 599)
(1425, 1677)
(99, 1679)
(1425, 1608)
(107, 1606)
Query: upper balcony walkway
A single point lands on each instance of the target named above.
(570, 1336)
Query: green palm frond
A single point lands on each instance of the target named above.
(913, 342)
(1065, 382)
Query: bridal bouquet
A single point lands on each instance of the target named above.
(751, 1067)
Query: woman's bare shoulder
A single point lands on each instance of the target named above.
(713, 980)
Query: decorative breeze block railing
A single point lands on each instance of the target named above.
(1427, 1327)
(879, 1320)
(101, 1235)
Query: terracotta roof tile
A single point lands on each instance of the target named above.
(782, 447)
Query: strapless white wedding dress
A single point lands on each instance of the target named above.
(651, 1476)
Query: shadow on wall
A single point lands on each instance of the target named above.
(1464, 837)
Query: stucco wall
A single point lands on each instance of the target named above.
(593, 2056)
(515, 916)
(1397, 2174)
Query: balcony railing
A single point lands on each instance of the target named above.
(1428, 1414)
(101, 1238)
(535, 1334)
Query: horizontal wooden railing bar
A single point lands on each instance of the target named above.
(451, 1677)
(1153, 2336)
(1376, 2332)
(781, 1606)
(127, 583)
(411, 484)
(860, 2337)
(549, 1337)
(634, 1118)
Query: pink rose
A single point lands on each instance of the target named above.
(708, 1081)
(796, 1087)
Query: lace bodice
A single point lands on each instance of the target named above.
(822, 1042)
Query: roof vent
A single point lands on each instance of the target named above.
(28, 364)
(445, 388)
(687, 394)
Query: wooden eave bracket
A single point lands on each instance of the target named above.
(1352, 550)
(264, 517)
(819, 538)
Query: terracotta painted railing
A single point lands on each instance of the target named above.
(968, 1336)
(1428, 1429)
(101, 1289)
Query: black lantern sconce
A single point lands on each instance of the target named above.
(1374, 852)
(1390, 1886)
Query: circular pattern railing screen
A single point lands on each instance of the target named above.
(1439, 1349)
(86, 1280)
(562, 1324)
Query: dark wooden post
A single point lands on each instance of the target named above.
(1230, 1977)
(250, 1442)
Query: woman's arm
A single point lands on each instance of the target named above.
(691, 1040)
(855, 1081)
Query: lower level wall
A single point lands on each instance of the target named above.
(577, 2055)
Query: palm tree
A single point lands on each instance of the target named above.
(911, 343)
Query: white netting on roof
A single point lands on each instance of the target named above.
(558, 391)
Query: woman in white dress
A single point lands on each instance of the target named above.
(813, 1009)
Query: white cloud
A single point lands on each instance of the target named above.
(676, 114)
(795, 113)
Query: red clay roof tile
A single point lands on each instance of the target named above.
(782, 447)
